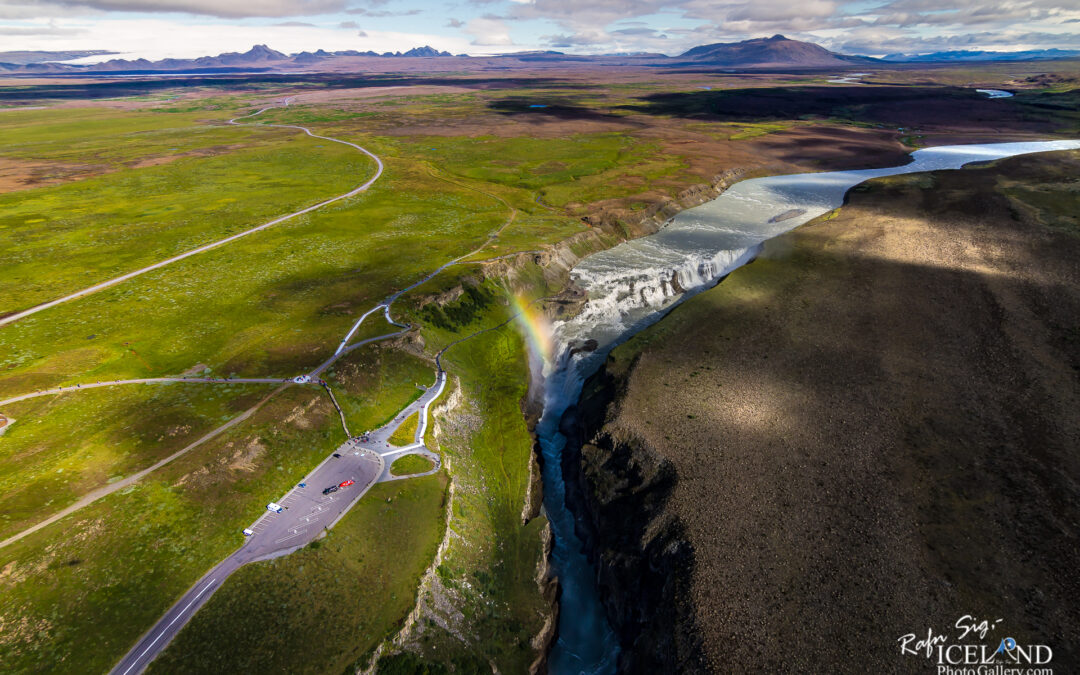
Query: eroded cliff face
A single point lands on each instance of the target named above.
(618, 486)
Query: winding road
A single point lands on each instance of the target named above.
(11, 318)
(308, 513)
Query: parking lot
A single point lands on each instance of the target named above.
(306, 511)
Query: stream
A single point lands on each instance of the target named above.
(632, 286)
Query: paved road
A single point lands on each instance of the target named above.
(393, 455)
(195, 251)
(308, 513)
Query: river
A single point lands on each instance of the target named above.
(632, 286)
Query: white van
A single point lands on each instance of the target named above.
(248, 531)
(276, 508)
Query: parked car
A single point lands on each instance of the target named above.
(332, 488)
(248, 531)
(337, 455)
(346, 483)
(276, 508)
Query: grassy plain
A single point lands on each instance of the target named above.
(62, 447)
(282, 299)
(101, 136)
(65, 237)
(581, 168)
(325, 608)
(373, 383)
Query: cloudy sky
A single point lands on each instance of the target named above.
(185, 28)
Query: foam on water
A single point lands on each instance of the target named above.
(632, 286)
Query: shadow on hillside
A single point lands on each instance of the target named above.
(887, 105)
(557, 110)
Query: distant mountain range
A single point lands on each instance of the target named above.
(776, 52)
(1029, 55)
(258, 58)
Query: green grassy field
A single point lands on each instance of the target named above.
(374, 382)
(410, 464)
(282, 298)
(579, 168)
(100, 135)
(405, 434)
(323, 609)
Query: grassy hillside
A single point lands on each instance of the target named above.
(410, 464)
(406, 433)
(77, 594)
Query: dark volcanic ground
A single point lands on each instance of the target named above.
(870, 431)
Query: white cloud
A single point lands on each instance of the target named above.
(489, 31)
(574, 25)
(218, 8)
(595, 24)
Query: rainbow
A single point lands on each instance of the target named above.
(535, 326)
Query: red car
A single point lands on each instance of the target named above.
(345, 484)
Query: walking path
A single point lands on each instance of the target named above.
(148, 380)
(106, 490)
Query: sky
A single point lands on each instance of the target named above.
(188, 28)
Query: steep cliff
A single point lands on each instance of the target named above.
(618, 486)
